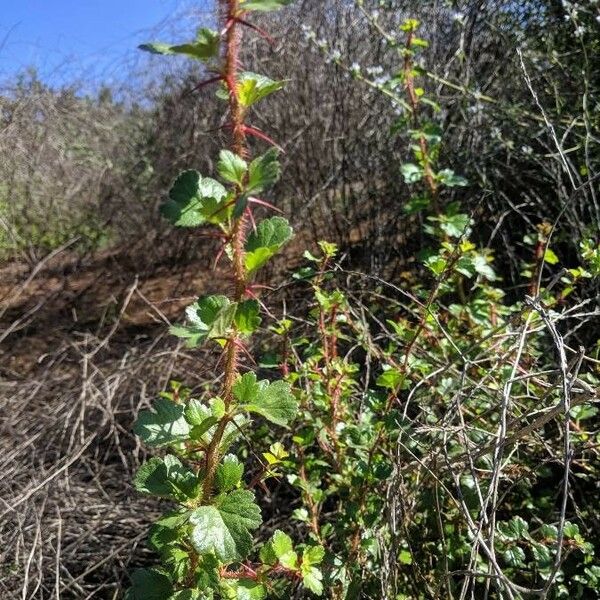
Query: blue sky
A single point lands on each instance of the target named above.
(80, 39)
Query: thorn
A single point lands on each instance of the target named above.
(251, 217)
(263, 136)
(245, 351)
(258, 30)
(221, 208)
(264, 203)
(252, 295)
(231, 85)
(218, 257)
(228, 24)
(204, 83)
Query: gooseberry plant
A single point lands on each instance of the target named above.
(420, 457)
(205, 541)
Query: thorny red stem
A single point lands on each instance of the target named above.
(237, 235)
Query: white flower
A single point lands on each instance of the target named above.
(381, 80)
(355, 67)
(580, 31)
(378, 70)
(336, 55)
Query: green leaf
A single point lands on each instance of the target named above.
(204, 418)
(263, 172)
(232, 167)
(312, 579)
(165, 531)
(514, 556)
(198, 431)
(264, 5)
(188, 595)
(224, 528)
(205, 47)
(167, 425)
(482, 266)
(247, 318)
(455, 225)
(194, 200)
(416, 204)
(253, 87)
(168, 478)
(542, 556)
(196, 412)
(283, 549)
(550, 257)
(209, 317)
(242, 589)
(513, 530)
(313, 555)
(270, 235)
(229, 473)
(450, 179)
(411, 173)
(150, 584)
(391, 378)
(274, 401)
(282, 543)
(246, 388)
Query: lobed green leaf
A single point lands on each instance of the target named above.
(264, 5)
(168, 478)
(195, 200)
(253, 87)
(274, 401)
(165, 426)
(224, 528)
(205, 47)
(270, 235)
(209, 317)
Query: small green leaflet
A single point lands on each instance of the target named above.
(455, 225)
(224, 528)
(274, 401)
(514, 556)
(242, 589)
(229, 473)
(411, 173)
(270, 235)
(513, 530)
(263, 172)
(247, 319)
(232, 167)
(280, 549)
(194, 200)
(150, 584)
(253, 87)
(166, 530)
(312, 578)
(209, 317)
(204, 418)
(165, 426)
(450, 179)
(264, 5)
(204, 48)
(168, 478)
(187, 595)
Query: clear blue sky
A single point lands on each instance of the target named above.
(88, 39)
